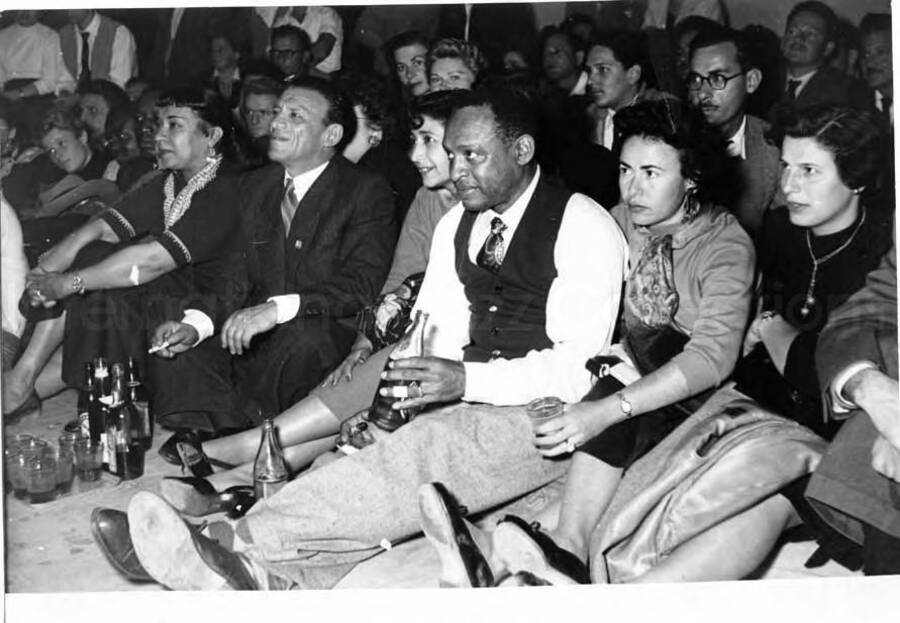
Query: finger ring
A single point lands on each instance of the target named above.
(37, 292)
(570, 446)
(415, 386)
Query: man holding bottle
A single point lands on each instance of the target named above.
(522, 287)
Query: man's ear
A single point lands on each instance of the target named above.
(579, 58)
(754, 79)
(376, 137)
(524, 149)
(830, 47)
(333, 135)
(83, 137)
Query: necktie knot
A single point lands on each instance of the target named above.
(792, 87)
(497, 226)
(289, 205)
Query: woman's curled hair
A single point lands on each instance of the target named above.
(701, 147)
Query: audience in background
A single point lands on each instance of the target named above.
(407, 54)
(95, 47)
(454, 64)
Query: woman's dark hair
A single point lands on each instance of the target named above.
(211, 108)
(114, 95)
(438, 106)
(468, 53)
(853, 137)
(119, 118)
(404, 39)
(701, 148)
(371, 92)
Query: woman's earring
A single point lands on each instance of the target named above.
(210, 154)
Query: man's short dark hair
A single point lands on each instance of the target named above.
(514, 114)
(629, 48)
(716, 34)
(874, 22)
(340, 110)
(287, 30)
(405, 39)
(261, 85)
(822, 10)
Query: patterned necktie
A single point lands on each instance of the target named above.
(491, 254)
(85, 58)
(792, 87)
(289, 205)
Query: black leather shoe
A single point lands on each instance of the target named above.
(110, 530)
(523, 547)
(176, 555)
(197, 497)
(462, 562)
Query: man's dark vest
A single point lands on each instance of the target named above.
(509, 309)
(101, 49)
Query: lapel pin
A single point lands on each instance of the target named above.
(298, 244)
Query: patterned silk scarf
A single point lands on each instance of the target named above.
(652, 297)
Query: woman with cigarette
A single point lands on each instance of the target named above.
(171, 245)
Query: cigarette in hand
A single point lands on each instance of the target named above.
(155, 349)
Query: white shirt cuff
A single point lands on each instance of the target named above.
(287, 307)
(839, 402)
(200, 321)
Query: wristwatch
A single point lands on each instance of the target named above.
(77, 284)
(624, 404)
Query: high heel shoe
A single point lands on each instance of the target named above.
(185, 449)
(197, 497)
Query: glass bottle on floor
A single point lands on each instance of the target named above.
(270, 471)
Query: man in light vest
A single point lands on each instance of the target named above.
(95, 47)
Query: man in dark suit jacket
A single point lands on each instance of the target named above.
(183, 56)
(809, 41)
(494, 28)
(717, 53)
(323, 233)
(856, 487)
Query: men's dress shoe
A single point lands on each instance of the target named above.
(110, 530)
(523, 547)
(197, 497)
(177, 555)
(462, 562)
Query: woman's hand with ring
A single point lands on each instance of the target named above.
(579, 423)
(45, 289)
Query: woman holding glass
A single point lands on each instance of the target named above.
(172, 245)
(687, 301)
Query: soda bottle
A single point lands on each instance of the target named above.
(85, 398)
(115, 417)
(138, 396)
(412, 344)
(270, 472)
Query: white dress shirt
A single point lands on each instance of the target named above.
(33, 52)
(737, 143)
(582, 303)
(804, 80)
(123, 63)
(317, 21)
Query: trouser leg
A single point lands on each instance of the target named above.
(322, 524)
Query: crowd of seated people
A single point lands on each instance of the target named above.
(663, 198)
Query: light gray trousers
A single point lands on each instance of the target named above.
(318, 527)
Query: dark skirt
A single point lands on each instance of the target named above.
(194, 389)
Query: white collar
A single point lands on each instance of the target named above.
(304, 181)
(737, 142)
(803, 80)
(93, 25)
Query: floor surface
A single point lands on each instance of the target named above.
(49, 547)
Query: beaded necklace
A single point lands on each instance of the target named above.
(175, 207)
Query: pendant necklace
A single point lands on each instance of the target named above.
(816, 261)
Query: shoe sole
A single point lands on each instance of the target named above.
(184, 498)
(517, 551)
(165, 546)
(438, 528)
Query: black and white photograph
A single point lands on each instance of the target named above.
(515, 296)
